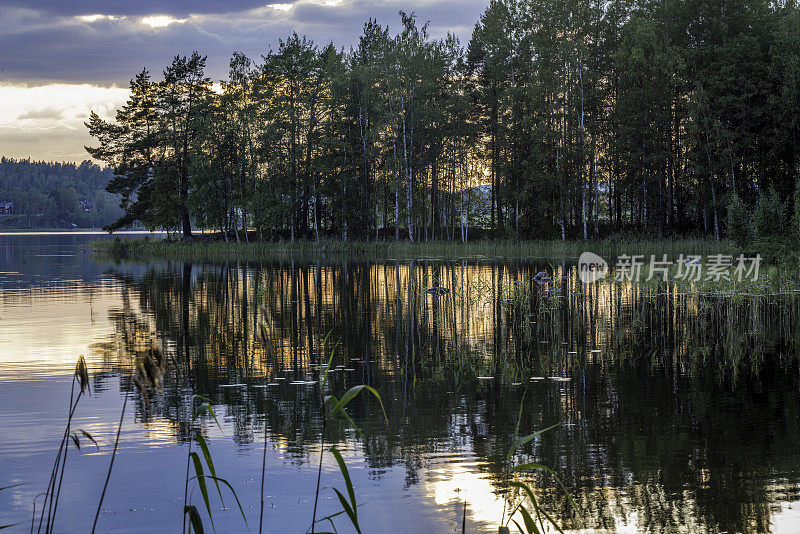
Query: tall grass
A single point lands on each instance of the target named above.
(110, 465)
(333, 407)
(47, 518)
(202, 474)
(220, 251)
(536, 522)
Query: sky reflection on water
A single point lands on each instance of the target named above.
(687, 418)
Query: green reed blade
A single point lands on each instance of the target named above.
(339, 404)
(528, 466)
(195, 521)
(348, 510)
(349, 484)
(525, 439)
(535, 504)
(201, 481)
(233, 492)
(205, 407)
(530, 525)
(209, 462)
(331, 399)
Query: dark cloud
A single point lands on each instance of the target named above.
(44, 42)
(176, 8)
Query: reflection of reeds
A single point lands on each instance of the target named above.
(150, 368)
(555, 327)
(13, 524)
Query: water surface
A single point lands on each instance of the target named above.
(677, 412)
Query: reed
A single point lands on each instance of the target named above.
(202, 473)
(221, 251)
(110, 465)
(200, 476)
(47, 518)
(337, 407)
(538, 521)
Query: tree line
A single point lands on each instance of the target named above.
(45, 194)
(561, 119)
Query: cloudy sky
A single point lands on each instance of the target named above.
(59, 59)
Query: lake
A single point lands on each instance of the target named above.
(676, 411)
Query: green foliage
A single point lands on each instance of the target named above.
(769, 217)
(796, 212)
(337, 407)
(777, 250)
(200, 476)
(153, 143)
(574, 120)
(740, 229)
(336, 249)
(536, 522)
(49, 195)
(349, 504)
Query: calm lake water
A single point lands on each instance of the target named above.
(677, 412)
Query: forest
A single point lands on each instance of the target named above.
(561, 120)
(55, 195)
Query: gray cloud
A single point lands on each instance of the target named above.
(49, 144)
(44, 113)
(44, 42)
(177, 8)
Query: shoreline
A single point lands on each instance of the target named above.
(211, 251)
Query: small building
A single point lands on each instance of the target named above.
(87, 205)
(6, 207)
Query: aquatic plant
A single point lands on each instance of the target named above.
(337, 407)
(47, 518)
(536, 522)
(110, 465)
(200, 476)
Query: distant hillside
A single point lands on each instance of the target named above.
(39, 195)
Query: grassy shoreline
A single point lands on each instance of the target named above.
(390, 250)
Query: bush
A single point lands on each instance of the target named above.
(796, 215)
(775, 250)
(740, 228)
(769, 219)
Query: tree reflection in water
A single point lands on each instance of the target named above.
(678, 410)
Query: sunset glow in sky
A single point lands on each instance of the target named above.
(61, 59)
